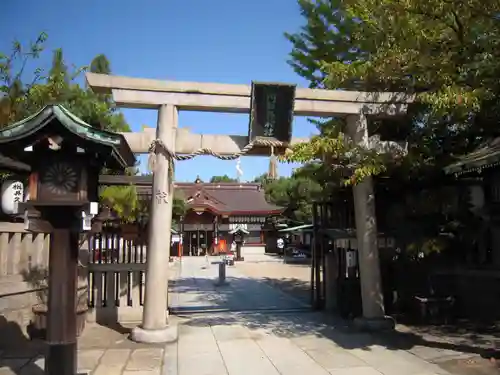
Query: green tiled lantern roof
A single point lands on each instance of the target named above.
(121, 155)
(485, 156)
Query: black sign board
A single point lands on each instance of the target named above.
(271, 111)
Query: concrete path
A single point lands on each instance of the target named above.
(195, 289)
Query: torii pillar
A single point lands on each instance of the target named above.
(374, 318)
(155, 327)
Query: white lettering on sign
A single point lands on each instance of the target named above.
(12, 193)
(271, 115)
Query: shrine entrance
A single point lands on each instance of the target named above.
(197, 242)
(271, 107)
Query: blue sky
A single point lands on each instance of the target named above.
(186, 40)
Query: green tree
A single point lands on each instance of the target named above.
(100, 64)
(224, 178)
(295, 193)
(179, 206)
(444, 53)
(21, 99)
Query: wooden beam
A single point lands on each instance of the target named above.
(12, 165)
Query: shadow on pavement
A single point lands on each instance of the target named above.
(17, 352)
(245, 299)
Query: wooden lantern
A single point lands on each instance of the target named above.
(271, 111)
(61, 179)
(65, 156)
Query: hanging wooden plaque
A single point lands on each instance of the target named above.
(271, 111)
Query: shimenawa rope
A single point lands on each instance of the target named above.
(157, 146)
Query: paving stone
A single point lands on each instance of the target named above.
(435, 354)
(202, 364)
(170, 360)
(143, 372)
(331, 359)
(356, 371)
(389, 362)
(230, 332)
(308, 342)
(245, 357)
(112, 362)
(288, 358)
(88, 359)
(145, 359)
(194, 288)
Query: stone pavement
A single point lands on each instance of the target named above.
(293, 279)
(250, 327)
(245, 327)
(195, 290)
(269, 343)
(101, 351)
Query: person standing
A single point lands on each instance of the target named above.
(281, 245)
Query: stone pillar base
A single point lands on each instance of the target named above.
(165, 335)
(386, 323)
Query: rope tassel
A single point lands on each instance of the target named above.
(273, 166)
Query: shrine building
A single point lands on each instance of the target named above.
(218, 210)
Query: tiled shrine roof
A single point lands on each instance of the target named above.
(228, 198)
(485, 156)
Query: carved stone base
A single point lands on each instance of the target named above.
(169, 334)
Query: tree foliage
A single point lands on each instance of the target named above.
(295, 193)
(21, 98)
(224, 178)
(444, 52)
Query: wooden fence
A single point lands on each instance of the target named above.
(20, 253)
(116, 265)
(21, 250)
(111, 269)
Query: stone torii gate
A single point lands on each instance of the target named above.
(168, 97)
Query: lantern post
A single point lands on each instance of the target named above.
(65, 156)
